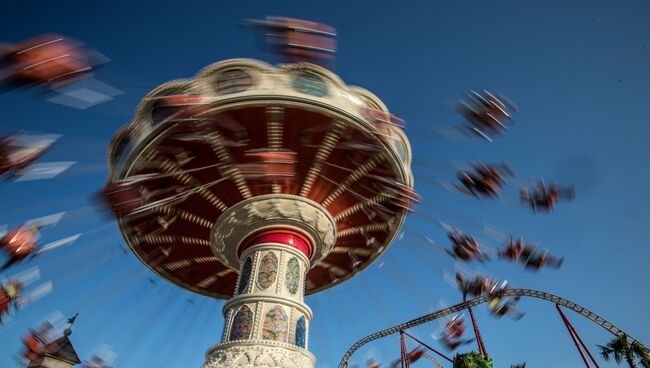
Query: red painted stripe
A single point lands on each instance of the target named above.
(280, 236)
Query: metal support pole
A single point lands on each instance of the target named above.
(575, 341)
(428, 347)
(405, 354)
(575, 333)
(479, 339)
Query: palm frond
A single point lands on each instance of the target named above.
(605, 352)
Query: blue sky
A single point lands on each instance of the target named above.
(578, 71)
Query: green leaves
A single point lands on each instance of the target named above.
(620, 349)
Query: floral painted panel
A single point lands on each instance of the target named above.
(301, 331)
(275, 325)
(245, 275)
(292, 277)
(242, 324)
(267, 271)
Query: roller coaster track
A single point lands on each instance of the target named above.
(483, 299)
(433, 360)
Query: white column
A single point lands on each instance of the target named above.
(266, 321)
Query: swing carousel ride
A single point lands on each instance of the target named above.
(260, 184)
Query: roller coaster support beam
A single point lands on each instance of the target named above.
(405, 354)
(427, 346)
(479, 339)
(574, 334)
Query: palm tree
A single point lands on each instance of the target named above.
(620, 348)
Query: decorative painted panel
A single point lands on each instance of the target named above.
(311, 84)
(301, 332)
(242, 324)
(401, 149)
(275, 325)
(233, 80)
(245, 275)
(267, 271)
(292, 276)
(122, 149)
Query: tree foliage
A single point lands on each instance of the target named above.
(620, 349)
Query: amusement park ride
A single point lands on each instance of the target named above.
(261, 184)
(482, 359)
(256, 215)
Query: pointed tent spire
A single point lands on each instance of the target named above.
(68, 331)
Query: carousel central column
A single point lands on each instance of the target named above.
(266, 321)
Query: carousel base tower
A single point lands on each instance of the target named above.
(266, 322)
